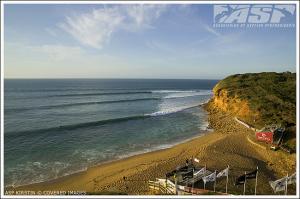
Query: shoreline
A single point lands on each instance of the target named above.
(203, 129)
(112, 161)
(47, 185)
(226, 145)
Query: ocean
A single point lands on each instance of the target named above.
(56, 127)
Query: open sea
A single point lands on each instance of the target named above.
(57, 127)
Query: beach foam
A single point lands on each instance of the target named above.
(187, 94)
(170, 110)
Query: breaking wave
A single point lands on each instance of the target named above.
(101, 122)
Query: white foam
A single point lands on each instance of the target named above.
(35, 172)
(187, 94)
(158, 147)
(173, 91)
(171, 110)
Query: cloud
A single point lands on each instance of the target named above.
(142, 16)
(95, 28)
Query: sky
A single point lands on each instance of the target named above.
(137, 41)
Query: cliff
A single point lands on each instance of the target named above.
(259, 99)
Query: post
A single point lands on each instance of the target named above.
(286, 181)
(193, 183)
(186, 184)
(245, 184)
(204, 175)
(166, 185)
(256, 180)
(227, 178)
(176, 191)
(215, 181)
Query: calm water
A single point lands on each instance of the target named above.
(57, 127)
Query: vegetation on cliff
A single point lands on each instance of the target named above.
(259, 99)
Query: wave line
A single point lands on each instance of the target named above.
(79, 104)
(98, 123)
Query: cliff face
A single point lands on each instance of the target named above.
(233, 104)
(259, 99)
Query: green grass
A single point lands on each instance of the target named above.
(272, 95)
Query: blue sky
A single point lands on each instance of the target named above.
(137, 41)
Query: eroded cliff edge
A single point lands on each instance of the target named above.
(260, 99)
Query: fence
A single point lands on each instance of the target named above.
(160, 186)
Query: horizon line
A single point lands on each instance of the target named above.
(112, 78)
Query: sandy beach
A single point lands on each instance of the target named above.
(228, 144)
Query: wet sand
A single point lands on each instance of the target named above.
(228, 144)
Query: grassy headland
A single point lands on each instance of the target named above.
(260, 99)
